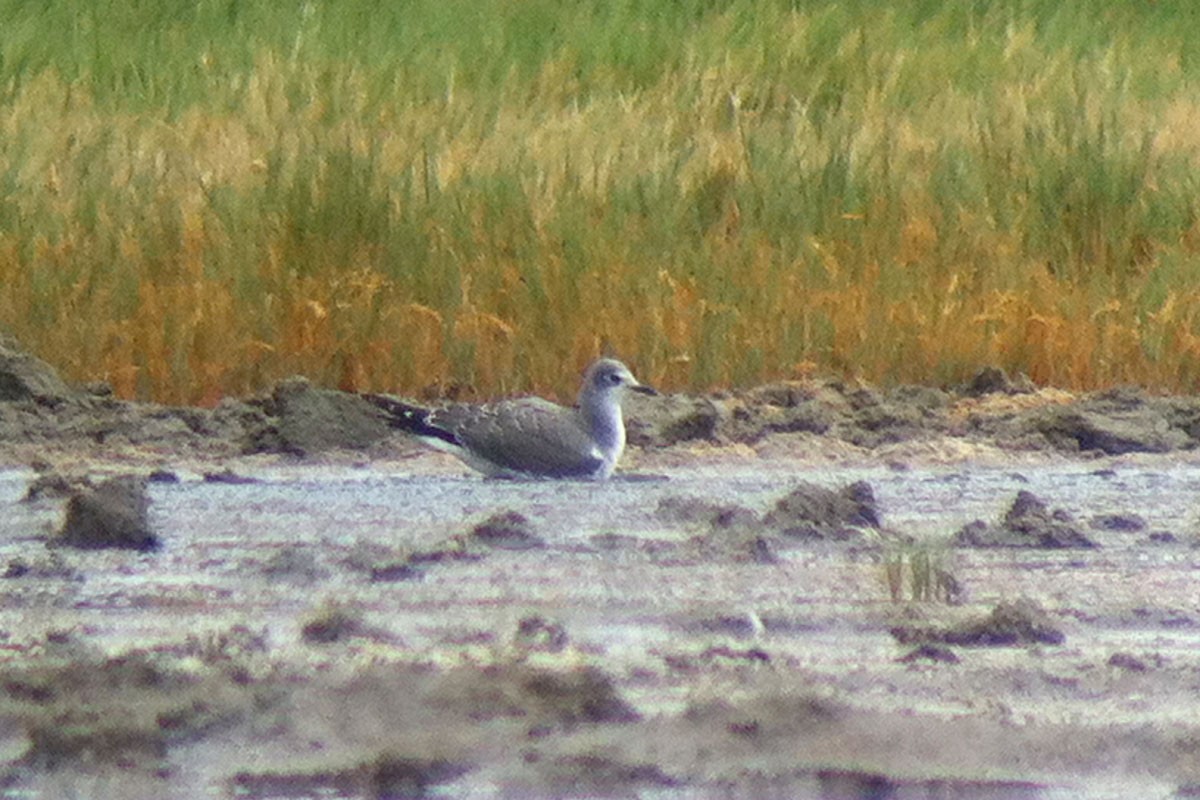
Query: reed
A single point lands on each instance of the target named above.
(199, 198)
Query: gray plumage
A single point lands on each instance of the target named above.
(531, 437)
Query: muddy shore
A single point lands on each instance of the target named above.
(807, 589)
(40, 413)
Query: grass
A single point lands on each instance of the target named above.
(929, 579)
(199, 198)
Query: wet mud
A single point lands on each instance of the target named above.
(810, 589)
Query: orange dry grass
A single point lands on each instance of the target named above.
(193, 340)
(432, 247)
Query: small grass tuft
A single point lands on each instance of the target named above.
(929, 579)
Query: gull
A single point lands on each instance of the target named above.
(530, 437)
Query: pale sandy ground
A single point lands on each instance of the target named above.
(646, 666)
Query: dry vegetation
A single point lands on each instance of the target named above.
(199, 198)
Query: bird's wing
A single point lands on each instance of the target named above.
(528, 435)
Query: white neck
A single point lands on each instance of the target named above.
(601, 415)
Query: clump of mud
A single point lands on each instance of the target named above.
(336, 621)
(228, 476)
(1010, 624)
(1029, 522)
(114, 514)
(502, 530)
(307, 419)
(1119, 523)
(294, 563)
(705, 513)
(53, 485)
(24, 377)
(726, 531)
(808, 512)
(506, 530)
(812, 512)
(535, 633)
(332, 623)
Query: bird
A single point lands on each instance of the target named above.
(530, 437)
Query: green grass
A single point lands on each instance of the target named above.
(198, 198)
(923, 568)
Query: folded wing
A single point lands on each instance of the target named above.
(529, 436)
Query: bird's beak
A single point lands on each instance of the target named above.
(642, 388)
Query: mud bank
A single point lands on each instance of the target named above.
(39, 412)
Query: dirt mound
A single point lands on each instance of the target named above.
(26, 377)
(814, 512)
(705, 513)
(295, 417)
(1010, 624)
(53, 485)
(669, 419)
(333, 623)
(1114, 422)
(994, 380)
(115, 514)
(1121, 523)
(306, 419)
(1121, 421)
(858, 415)
(1029, 522)
(727, 531)
(992, 407)
(506, 530)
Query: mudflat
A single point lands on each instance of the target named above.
(809, 589)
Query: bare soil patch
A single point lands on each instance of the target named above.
(328, 610)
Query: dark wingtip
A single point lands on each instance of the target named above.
(409, 418)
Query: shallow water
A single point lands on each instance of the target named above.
(820, 613)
